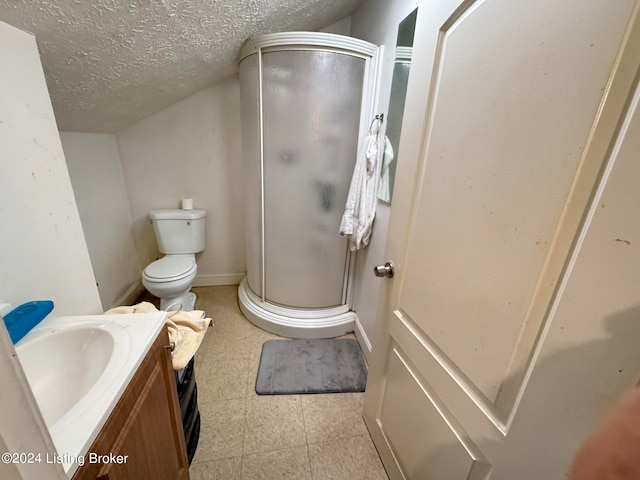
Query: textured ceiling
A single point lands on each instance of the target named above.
(109, 63)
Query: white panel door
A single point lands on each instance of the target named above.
(513, 110)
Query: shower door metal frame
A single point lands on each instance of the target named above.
(280, 319)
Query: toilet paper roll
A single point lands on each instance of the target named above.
(187, 203)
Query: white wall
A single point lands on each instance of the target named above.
(341, 27)
(98, 184)
(191, 149)
(376, 21)
(44, 254)
(43, 251)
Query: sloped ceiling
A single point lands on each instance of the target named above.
(109, 63)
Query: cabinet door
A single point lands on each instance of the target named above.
(149, 444)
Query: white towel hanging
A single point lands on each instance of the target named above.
(360, 209)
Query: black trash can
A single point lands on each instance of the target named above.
(188, 396)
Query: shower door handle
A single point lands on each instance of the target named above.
(385, 270)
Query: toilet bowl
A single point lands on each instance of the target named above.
(170, 278)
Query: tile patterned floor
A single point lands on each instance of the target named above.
(245, 436)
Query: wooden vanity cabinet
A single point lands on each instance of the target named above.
(145, 426)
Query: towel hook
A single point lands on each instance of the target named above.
(379, 117)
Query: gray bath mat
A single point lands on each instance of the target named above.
(325, 365)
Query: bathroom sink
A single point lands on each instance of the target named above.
(78, 367)
(74, 358)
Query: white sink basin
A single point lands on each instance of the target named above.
(78, 367)
(75, 358)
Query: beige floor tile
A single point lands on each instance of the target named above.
(223, 469)
(348, 336)
(221, 430)
(201, 353)
(286, 464)
(273, 422)
(352, 458)
(206, 347)
(234, 337)
(358, 399)
(231, 320)
(221, 379)
(217, 301)
(241, 345)
(254, 363)
(332, 416)
(270, 432)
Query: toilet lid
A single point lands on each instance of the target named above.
(170, 267)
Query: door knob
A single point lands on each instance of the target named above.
(385, 270)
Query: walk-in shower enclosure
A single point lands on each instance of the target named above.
(307, 100)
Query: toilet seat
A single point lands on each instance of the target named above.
(170, 268)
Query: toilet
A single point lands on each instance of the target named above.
(180, 235)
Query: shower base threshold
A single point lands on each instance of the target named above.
(294, 322)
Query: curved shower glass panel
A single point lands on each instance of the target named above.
(303, 98)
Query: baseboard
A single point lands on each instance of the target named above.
(130, 296)
(363, 340)
(219, 279)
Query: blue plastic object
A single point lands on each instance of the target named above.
(22, 319)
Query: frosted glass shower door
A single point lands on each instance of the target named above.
(311, 108)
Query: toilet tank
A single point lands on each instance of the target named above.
(179, 231)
